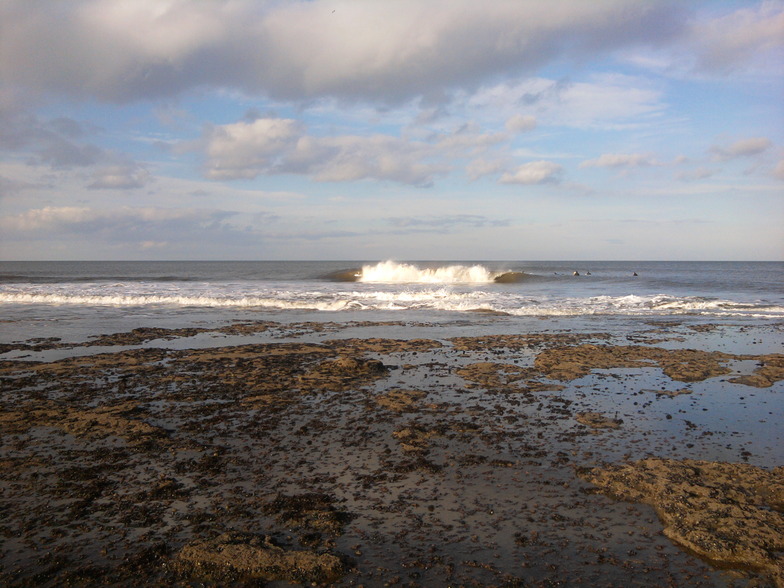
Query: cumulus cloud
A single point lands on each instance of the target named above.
(534, 172)
(267, 146)
(742, 148)
(620, 160)
(121, 51)
(247, 149)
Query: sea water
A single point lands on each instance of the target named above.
(78, 299)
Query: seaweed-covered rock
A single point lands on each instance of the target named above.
(683, 365)
(728, 513)
(235, 556)
(416, 439)
(398, 400)
(770, 371)
(121, 420)
(380, 345)
(342, 373)
(310, 512)
(597, 420)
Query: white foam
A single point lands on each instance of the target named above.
(412, 297)
(392, 272)
(154, 300)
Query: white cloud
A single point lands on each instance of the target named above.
(444, 223)
(131, 231)
(58, 144)
(742, 148)
(603, 101)
(154, 244)
(520, 124)
(247, 149)
(46, 218)
(349, 158)
(9, 186)
(468, 139)
(483, 167)
(725, 42)
(748, 41)
(54, 142)
(83, 219)
(119, 177)
(699, 173)
(534, 172)
(621, 160)
(120, 51)
(778, 171)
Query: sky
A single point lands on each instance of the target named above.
(391, 129)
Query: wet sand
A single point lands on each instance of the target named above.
(262, 453)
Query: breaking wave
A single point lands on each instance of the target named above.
(443, 299)
(277, 302)
(392, 272)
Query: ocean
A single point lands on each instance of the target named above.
(76, 299)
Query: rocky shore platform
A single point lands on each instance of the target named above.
(272, 454)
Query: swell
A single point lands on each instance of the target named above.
(33, 279)
(346, 275)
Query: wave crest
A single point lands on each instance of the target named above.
(392, 272)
